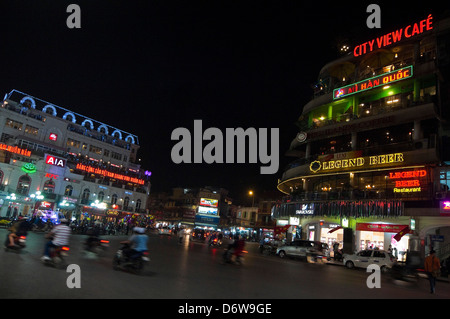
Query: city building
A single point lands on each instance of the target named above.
(372, 163)
(192, 207)
(53, 159)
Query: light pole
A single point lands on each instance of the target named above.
(253, 197)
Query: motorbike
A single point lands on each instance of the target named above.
(19, 243)
(400, 273)
(96, 245)
(228, 257)
(133, 263)
(57, 256)
(215, 242)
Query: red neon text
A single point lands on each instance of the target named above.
(395, 36)
(408, 174)
(106, 173)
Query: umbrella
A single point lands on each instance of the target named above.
(342, 70)
(378, 59)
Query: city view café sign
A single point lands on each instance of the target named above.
(394, 37)
(383, 79)
(356, 162)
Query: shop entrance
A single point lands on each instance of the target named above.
(381, 236)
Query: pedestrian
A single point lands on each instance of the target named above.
(432, 268)
(180, 234)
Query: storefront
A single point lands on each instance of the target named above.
(381, 236)
(331, 233)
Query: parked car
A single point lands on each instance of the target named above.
(302, 248)
(364, 258)
(165, 231)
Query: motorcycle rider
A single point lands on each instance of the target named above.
(19, 228)
(93, 239)
(59, 236)
(239, 247)
(138, 243)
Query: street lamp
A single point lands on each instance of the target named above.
(253, 197)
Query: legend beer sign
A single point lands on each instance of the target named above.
(408, 181)
(383, 79)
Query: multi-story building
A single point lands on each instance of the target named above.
(192, 207)
(372, 152)
(53, 159)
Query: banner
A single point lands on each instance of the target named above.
(279, 230)
(387, 228)
(403, 232)
(334, 229)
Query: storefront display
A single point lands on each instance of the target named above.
(381, 236)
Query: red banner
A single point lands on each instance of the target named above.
(278, 230)
(334, 229)
(402, 233)
(387, 228)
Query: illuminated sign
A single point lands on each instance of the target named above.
(29, 168)
(357, 162)
(45, 204)
(209, 202)
(395, 36)
(445, 208)
(379, 80)
(53, 137)
(407, 181)
(386, 228)
(106, 173)
(207, 210)
(56, 161)
(307, 209)
(49, 175)
(15, 150)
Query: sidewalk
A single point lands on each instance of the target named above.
(421, 273)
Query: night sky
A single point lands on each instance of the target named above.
(149, 67)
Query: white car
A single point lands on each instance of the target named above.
(364, 258)
(165, 231)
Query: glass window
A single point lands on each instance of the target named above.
(365, 253)
(23, 186)
(49, 187)
(68, 191)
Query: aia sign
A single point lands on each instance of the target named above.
(55, 161)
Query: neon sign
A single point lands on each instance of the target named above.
(106, 173)
(395, 36)
(56, 161)
(374, 82)
(53, 137)
(404, 183)
(29, 168)
(445, 208)
(15, 150)
(315, 166)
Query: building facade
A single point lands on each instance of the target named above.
(371, 164)
(54, 159)
(192, 207)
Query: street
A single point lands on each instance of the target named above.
(191, 270)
